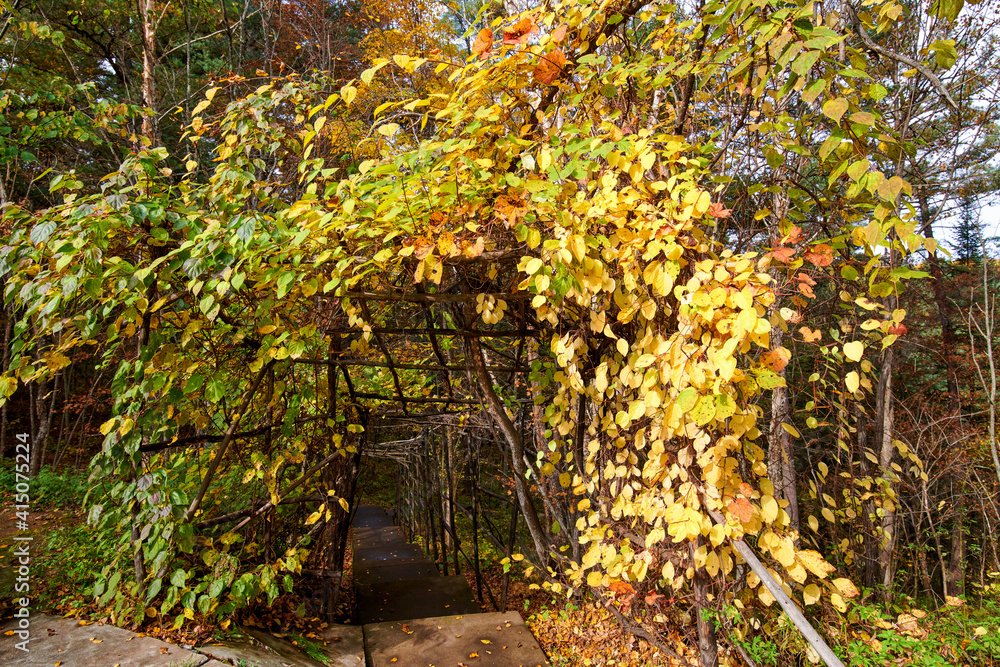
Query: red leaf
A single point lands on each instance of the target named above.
(898, 329)
(652, 598)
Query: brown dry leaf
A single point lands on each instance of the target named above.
(820, 255)
(550, 67)
(520, 31)
(483, 44)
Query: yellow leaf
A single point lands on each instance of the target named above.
(594, 579)
(313, 518)
(854, 350)
(784, 551)
(768, 509)
(838, 602)
(815, 563)
(348, 93)
(828, 515)
(813, 523)
(811, 594)
(344, 504)
(853, 381)
(846, 587)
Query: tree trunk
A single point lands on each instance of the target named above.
(885, 430)
(498, 413)
(149, 129)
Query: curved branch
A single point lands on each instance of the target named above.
(899, 57)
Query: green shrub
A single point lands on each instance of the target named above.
(50, 488)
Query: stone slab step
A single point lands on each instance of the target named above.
(451, 640)
(415, 598)
(366, 555)
(341, 646)
(394, 570)
(55, 640)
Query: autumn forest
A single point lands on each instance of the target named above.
(672, 326)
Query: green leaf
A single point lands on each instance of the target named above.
(947, 9)
(813, 90)
(687, 399)
(944, 52)
(42, 231)
(178, 578)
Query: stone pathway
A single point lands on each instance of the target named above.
(73, 643)
(411, 615)
(414, 617)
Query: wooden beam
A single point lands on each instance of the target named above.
(423, 297)
(421, 399)
(414, 367)
(416, 331)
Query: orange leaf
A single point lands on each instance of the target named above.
(717, 210)
(621, 588)
(520, 31)
(820, 255)
(810, 335)
(483, 44)
(897, 329)
(776, 359)
(550, 67)
(741, 509)
(782, 254)
(793, 236)
(559, 33)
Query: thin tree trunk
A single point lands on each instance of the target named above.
(148, 12)
(8, 332)
(708, 646)
(498, 413)
(887, 451)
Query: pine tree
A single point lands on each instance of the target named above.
(969, 234)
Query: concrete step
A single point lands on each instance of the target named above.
(367, 555)
(370, 537)
(53, 640)
(371, 516)
(497, 640)
(394, 570)
(414, 598)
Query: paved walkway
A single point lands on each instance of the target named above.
(411, 615)
(414, 617)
